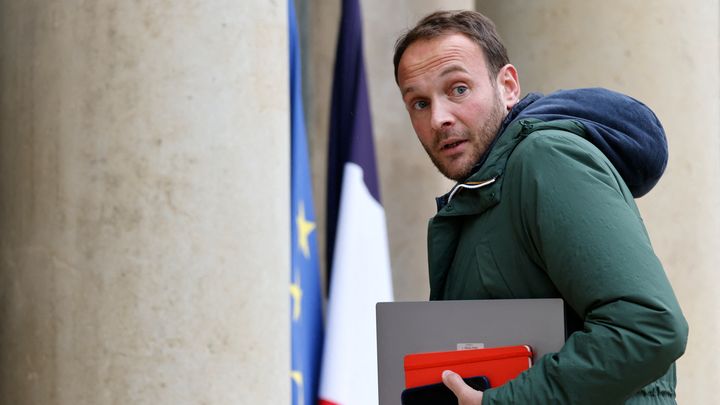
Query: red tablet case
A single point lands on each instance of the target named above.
(499, 365)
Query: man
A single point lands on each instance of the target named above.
(543, 207)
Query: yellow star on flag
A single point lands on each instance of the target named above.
(297, 378)
(296, 294)
(304, 227)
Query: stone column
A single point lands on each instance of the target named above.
(144, 202)
(666, 54)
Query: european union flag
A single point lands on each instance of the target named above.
(305, 299)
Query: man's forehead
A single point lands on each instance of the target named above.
(426, 47)
(447, 53)
(406, 85)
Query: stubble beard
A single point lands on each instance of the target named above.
(479, 143)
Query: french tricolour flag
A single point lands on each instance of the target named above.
(359, 259)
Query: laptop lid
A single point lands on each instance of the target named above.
(417, 327)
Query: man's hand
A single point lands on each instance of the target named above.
(465, 393)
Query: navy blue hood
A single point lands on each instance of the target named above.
(624, 129)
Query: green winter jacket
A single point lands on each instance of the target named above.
(547, 215)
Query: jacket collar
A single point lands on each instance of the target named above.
(482, 189)
(471, 180)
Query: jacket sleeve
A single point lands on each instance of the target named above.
(578, 222)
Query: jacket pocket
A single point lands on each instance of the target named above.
(490, 275)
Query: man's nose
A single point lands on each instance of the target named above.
(442, 116)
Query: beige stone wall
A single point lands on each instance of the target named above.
(665, 53)
(143, 260)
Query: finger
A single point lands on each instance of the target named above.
(453, 381)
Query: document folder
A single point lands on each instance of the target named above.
(499, 365)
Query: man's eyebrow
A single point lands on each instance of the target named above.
(407, 90)
(446, 71)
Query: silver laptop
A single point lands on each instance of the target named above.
(417, 327)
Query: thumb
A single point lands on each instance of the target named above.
(453, 381)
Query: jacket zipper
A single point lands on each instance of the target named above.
(471, 185)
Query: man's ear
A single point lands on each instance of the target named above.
(508, 85)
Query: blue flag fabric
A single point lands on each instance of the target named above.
(305, 298)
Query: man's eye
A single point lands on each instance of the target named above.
(460, 90)
(420, 105)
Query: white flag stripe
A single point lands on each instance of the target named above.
(361, 278)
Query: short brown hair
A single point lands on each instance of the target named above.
(472, 24)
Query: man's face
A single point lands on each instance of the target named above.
(455, 108)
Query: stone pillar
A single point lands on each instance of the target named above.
(144, 202)
(409, 182)
(666, 54)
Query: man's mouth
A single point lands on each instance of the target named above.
(452, 145)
